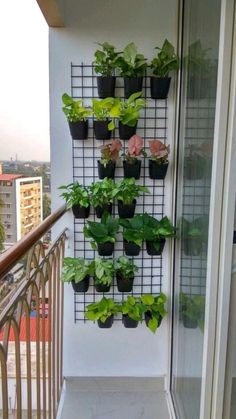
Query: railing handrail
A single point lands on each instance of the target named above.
(10, 257)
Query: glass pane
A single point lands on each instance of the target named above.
(200, 60)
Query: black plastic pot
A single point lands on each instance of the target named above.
(107, 324)
(82, 286)
(189, 323)
(148, 317)
(157, 171)
(160, 87)
(106, 171)
(151, 250)
(132, 85)
(106, 86)
(100, 210)
(131, 249)
(126, 211)
(192, 246)
(79, 130)
(101, 287)
(124, 284)
(132, 170)
(80, 212)
(126, 132)
(128, 322)
(105, 249)
(194, 168)
(101, 130)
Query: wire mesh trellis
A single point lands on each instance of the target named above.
(152, 124)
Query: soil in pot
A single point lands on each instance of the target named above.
(106, 171)
(81, 286)
(151, 250)
(106, 86)
(101, 287)
(105, 249)
(131, 249)
(192, 246)
(124, 284)
(189, 323)
(160, 87)
(132, 85)
(128, 322)
(80, 212)
(79, 130)
(101, 130)
(148, 317)
(126, 132)
(126, 211)
(100, 210)
(107, 324)
(132, 169)
(157, 171)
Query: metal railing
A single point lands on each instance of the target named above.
(31, 327)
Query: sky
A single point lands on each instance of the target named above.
(24, 97)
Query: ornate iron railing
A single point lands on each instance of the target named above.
(31, 328)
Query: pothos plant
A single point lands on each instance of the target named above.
(157, 230)
(154, 309)
(101, 108)
(101, 310)
(131, 63)
(101, 192)
(125, 267)
(102, 232)
(127, 190)
(135, 149)
(74, 109)
(106, 59)
(193, 309)
(110, 152)
(159, 152)
(75, 194)
(127, 111)
(165, 61)
(76, 269)
(103, 271)
(133, 229)
(133, 308)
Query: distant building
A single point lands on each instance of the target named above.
(22, 205)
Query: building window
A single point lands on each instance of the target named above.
(8, 216)
(8, 205)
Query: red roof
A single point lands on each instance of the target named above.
(9, 176)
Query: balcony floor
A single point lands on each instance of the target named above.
(114, 398)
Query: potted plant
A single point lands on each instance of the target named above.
(101, 196)
(132, 67)
(103, 274)
(165, 62)
(156, 232)
(125, 271)
(101, 110)
(77, 117)
(158, 162)
(194, 235)
(102, 311)
(77, 271)
(125, 192)
(77, 198)
(103, 234)
(132, 312)
(131, 163)
(193, 311)
(109, 156)
(154, 309)
(133, 234)
(105, 64)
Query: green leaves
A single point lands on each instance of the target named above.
(131, 63)
(102, 232)
(101, 108)
(75, 269)
(101, 192)
(128, 111)
(133, 229)
(75, 194)
(166, 60)
(106, 60)
(74, 109)
(193, 308)
(125, 267)
(127, 190)
(101, 310)
(154, 307)
(103, 270)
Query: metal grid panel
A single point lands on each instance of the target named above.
(151, 125)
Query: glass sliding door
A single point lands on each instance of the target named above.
(201, 28)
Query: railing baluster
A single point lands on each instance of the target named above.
(28, 360)
(49, 339)
(16, 331)
(3, 361)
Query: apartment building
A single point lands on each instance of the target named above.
(21, 208)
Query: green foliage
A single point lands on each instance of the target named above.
(165, 61)
(198, 228)
(101, 108)
(102, 232)
(75, 194)
(46, 205)
(156, 230)
(193, 308)
(127, 111)
(103, 271)
(133, 307)
(101, 310)
(131, 63)
(155, 307)
(74, 109)
(125, 267)
(105, 60)
(76, 269)
(133, 229)
(127, 190)
(2, 235)
(101, 192)
(197, 60)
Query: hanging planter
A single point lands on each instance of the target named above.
(76, 115)
(80, 212)
(101, 210)
(151, 248)
(109, 156)
(132, 85)
(126, 132)
(102, 234)
(157, 171)
(81, 286)
(106, 86)
(102, 287)
(128, 322)
(189, 323)
(101, 130)
(105, 249)
(148, 316)
(107, 324)
(103, 311)
(107, 170)
(192, 245)
(126, 210)
(79, 130)
(124, 284)
(131, 248)
(132, 169)
(160, 87)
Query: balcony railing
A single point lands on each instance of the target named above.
(31, 326)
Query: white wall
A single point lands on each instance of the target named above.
(89, 351)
